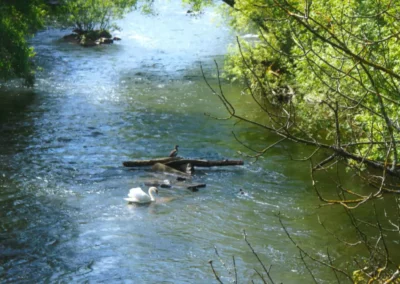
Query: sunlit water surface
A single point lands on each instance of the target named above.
(63, 217)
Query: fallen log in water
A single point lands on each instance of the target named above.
(204, 163)
(175, 162)
(146, 163)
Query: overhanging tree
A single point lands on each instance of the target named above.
(326, 74)
(18, 20)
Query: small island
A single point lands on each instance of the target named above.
(90, 38)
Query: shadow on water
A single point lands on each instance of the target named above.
(14, 101)
(16, 124)
(36, 226)
(34, 236)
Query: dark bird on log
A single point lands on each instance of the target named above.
(174, 152)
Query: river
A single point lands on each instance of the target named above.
(63, 218)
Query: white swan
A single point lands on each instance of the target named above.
(137, 195)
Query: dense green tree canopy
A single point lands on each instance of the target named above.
(329, 70)
(18, 20)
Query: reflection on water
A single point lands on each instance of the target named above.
(63, 217)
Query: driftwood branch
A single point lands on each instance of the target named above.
(175, 162)
(205, 163)
(146, 163)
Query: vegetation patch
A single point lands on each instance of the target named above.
(90, 38)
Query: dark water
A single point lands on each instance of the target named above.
(62, 214)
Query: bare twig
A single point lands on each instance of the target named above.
(306, 265)
(308, 255)
(234, 267)
(258, 258)
(222, 262)
(214, 272)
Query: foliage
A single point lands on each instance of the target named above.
(90, 15)
(326, 74)
(197, 5)
(338, 61)
(18, 20)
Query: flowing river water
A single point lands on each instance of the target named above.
(63, 218)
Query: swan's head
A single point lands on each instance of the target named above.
(153, 189)
(176, 147)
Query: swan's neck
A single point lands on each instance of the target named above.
(151, 195)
